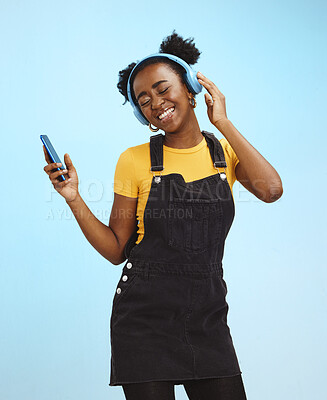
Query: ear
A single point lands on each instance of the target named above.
(186, 90)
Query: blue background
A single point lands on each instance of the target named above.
(58, 74)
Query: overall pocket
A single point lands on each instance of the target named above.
(194, 224)
(125, 287)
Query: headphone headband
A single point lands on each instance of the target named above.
(189, 76)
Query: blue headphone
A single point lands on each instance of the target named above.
(189, 76)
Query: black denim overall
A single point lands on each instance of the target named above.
(169, 312)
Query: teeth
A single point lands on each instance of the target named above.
(167, 112)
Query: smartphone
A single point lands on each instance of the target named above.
(53, 155)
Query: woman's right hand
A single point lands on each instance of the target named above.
(68, 188)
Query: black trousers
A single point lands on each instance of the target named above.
(230, 388)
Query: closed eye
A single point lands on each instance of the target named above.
(146, 102)
(143, 104)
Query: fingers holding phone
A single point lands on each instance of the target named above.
(65, 181)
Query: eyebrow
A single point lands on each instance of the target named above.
(153, 87)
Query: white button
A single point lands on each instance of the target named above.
(129, 265)
(124, 278)
(223, 176)
(119, 290)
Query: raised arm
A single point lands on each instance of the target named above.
(253, 171)
(110, 240)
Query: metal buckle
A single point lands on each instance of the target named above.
(157, 178)
(221, 174)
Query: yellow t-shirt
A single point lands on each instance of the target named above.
(133, 177)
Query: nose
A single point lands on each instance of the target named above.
(156, 102)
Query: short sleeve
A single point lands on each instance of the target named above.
(231, 159)
(125, 182)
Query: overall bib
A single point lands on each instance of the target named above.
(169, 312)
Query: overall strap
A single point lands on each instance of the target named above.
(216, 150)
(156, 152)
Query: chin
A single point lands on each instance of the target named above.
(170, 131)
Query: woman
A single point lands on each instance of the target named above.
(169, 315)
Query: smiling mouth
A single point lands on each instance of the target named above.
(167, 114)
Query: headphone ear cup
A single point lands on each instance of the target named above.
(140, 116)
(188, 83)
(192, 81)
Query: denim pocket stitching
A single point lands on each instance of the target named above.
(186, 243)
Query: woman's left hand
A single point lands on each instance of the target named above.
(215, 101)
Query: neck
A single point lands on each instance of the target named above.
(185, 137)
